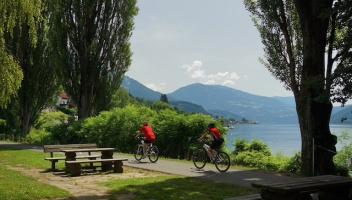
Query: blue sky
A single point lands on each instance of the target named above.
(179, 42)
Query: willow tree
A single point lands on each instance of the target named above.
(91, 48)
(12, 14)
(307, 46)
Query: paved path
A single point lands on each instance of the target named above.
(232, 176)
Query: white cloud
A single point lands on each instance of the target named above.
(228, 82)
(196, 72)
(194, 66)
(156, 86)
(234, 76)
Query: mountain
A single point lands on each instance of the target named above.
(252, 107)
(137, 89)
(345, 114)
(231, 103)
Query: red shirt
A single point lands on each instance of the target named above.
(148, 132)
(214, 132)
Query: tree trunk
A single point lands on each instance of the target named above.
(313, 101)
(318, 144)
(25, 118)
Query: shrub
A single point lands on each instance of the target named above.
(239, 145)
(36, 136)
(294, 164)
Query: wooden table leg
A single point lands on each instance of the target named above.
(118, 167)
(74, 169)
(105, 166)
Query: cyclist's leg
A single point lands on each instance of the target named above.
(145, 144)
(213, 146)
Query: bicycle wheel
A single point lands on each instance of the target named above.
(222, 161)
(154, 154)
(138, 152)
(199, 158)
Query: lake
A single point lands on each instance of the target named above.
(279, 138)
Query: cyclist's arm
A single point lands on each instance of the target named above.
(138, 133)
(203, 136)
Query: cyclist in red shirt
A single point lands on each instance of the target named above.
(215, 137)
(149, 136)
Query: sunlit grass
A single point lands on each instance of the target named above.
(154, 185)
(27, 159)
(14, 185)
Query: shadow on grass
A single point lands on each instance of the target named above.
(177, 187)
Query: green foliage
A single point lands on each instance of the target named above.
(50, 119)
(343, 157)
(163, 98)
(67, 133)
(257, 154)
(10, 77)
(260, 160)
(91, 49)
(258, 146)
(160, 105)
(294, 164)
(117, 128)
(241, 144)
(67, 110)
(2, 126)
(39, 136)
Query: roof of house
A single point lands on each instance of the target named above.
(63, 95)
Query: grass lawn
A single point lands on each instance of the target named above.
(156, 185)
(16, 186)
(176, 187)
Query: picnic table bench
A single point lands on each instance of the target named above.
(57, 149)
(107, 161)
(328, 187)
(75, 167)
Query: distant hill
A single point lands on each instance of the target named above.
(231, 103)
(287, 100)
(137, 89)
(252, 107)
(345, 114)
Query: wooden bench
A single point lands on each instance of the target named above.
(328, 187)
(114, 164)
(57, 148)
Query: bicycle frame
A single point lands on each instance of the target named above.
(221, 159)
(152, 151)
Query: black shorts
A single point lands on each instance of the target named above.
(148, 141)
(217, 143)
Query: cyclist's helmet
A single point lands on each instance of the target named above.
(211, 125)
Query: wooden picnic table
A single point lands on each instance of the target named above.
(329, 187)
(106, 153)
(107, 161)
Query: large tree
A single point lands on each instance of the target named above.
(92, 49)
(38, 84)
(12, 14)
(305, 42)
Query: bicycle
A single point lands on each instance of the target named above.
(152, 151)
(221, 161)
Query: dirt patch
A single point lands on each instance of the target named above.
(86, 186)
